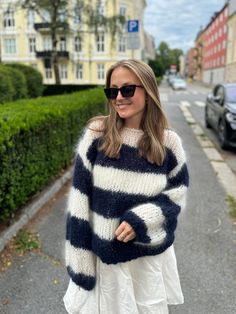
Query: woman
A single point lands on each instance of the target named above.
(129, 185)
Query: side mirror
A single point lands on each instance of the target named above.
(209, 97)
(217, 99)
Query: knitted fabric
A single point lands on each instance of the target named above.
(107, 191)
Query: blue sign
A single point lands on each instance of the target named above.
(133, 26)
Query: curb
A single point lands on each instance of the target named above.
(30, 210)
(223, 172)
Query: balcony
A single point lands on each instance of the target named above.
(41, 26)
(48, 54)
(45, 26)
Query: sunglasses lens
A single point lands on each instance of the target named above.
(111, 93)
(128, 91)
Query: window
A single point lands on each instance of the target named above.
(48, 68)
(62, 44)
(222, 60)
(47, 43)
(79, 71)
(100, 39)
(100, 72)
(8, 19)
(46, 16)
(63, 71)
(122, 43)
(78, 44)
(77, 15)
(32, 44)
(31, 17)
(10, 45)
(100, 7)
(123, 10)
(62, 15)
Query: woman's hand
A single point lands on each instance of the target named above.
(125, 232)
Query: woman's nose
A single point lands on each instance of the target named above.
(119, 95)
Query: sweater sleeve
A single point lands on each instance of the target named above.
(79, 258)
(154, 222)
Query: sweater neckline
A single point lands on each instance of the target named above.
(131, 136)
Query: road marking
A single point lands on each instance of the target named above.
(163, 97)
(185, 103)
(194, 92)
(200, 103)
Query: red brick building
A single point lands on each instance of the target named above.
(190, 63)
(214, 47)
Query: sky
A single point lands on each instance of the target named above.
(177, 22)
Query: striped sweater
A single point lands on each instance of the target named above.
(107, 191)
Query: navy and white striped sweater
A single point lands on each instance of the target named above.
(107, 191)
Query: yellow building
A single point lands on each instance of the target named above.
(84, 56)
(198, 56)
(230, 70)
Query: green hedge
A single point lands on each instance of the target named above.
(6, 85)
(34, 79)
(37, 140)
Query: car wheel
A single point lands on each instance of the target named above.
(222, 135)
(207, 124)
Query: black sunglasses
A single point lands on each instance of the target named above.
(126, 91)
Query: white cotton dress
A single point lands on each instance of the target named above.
(142, 286)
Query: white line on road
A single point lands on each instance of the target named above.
(163, 97)
(185, 103)
(200, 103)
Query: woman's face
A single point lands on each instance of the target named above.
(130, 109)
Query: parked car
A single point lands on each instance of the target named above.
(178, 83)
(220, 113)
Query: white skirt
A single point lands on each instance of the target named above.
(142, 286)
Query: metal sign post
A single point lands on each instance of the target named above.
(133, 35)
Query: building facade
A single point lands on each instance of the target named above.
(230, 70)
(198, 56)
(84, 56)
(215, 45)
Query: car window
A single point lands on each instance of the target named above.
(231, 94)
(220, 92)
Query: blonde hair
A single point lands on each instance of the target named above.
(153, 122)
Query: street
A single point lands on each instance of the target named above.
(205, 241)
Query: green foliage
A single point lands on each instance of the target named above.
(231, 202)
(164, 58)
(37, 140)
(27, 241)
(18, 82)
(6, 85)
(34, 79)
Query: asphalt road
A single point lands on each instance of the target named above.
(205, 244)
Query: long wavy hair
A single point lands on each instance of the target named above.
(153, 123)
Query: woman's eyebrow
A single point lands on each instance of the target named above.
(124, 84)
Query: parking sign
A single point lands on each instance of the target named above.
(133, 26)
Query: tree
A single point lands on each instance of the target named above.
(164, 58)
(58, 18)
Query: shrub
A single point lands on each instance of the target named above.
(34, 79)
(6, 86)
(37, 140)
(19, 83)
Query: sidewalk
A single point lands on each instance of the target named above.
(36, 282)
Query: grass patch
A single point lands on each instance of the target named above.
(231, 202)
(26, 241)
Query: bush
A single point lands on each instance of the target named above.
(37, 140)
(19, 83)
(50, 90)
(34, 79)
(6, 86)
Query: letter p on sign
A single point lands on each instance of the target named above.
(133, 26)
